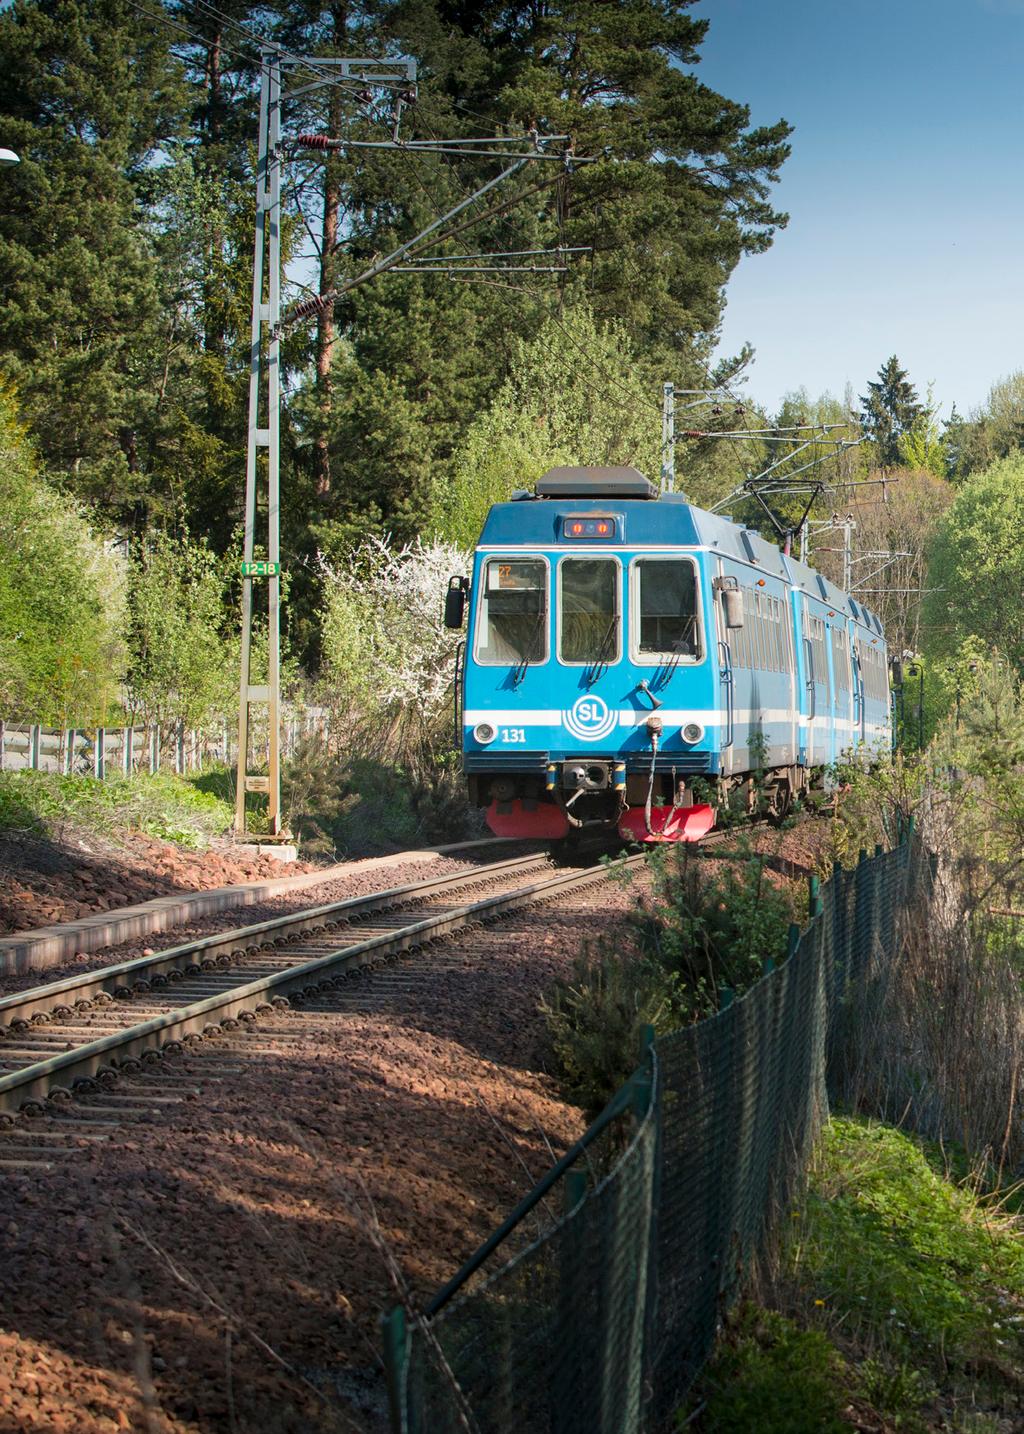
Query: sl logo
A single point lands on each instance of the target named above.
(589, 719)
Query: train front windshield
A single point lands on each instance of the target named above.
(512, 627)
(667, 593)
(589, 626)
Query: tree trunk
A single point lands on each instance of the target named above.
(326, 332)
(214, 339)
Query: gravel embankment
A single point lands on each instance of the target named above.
(143, 1278)
(362, 878)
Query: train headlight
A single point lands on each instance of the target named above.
(484, 733)
(693, 732)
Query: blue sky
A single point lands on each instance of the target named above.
(904, 190)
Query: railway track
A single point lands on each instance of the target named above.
(76, 1037)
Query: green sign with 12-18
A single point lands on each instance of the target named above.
(261, 570)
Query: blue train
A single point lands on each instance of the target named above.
(631, 661)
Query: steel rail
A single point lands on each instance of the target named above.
(34, 1005)
(53, 1078)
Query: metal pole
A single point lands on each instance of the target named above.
(273, 459)
(668, 438)
(256, 437)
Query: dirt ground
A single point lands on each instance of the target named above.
(216, 1257)
(145, 1277)
(44, 881)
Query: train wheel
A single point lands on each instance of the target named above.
(780, 802)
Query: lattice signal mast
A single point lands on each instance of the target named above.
(268, 322)
(265, 412)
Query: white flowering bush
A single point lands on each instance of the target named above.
(388, 658)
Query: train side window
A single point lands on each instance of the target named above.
(841, 659)
(814, 631)
(776, 633)
(589, 617)
(739, 638)
(666, 625)
(760, 658)
(512, 620)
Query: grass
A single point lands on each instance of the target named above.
(170, 808)
(900, 1294)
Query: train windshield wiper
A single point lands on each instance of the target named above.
(604, 651)
(519, 671)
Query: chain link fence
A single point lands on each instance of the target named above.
(594, 1307)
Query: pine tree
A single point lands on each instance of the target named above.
(88, 96)
(681, 189)
(891, 409)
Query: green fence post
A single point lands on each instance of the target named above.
(641, 1082)
(792, 940)
(815, 905)
(574, 1190)
(396, 1353)
(575, 1319)
(726, 995)
(861, 939)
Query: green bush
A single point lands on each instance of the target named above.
(181, 666)
(61, 597)
(711, 924)
(704, 926)
(893, 1248)
(164, 806)
(772, 1377)
(594, 1020)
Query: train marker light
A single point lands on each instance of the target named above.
(484, 733)
(607, 528)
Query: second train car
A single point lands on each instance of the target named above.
(632, 662)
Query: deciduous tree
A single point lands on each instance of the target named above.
(977, 565)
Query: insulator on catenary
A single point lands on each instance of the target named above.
(309, 306)
(315, 141)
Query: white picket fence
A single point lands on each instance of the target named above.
(105, 751)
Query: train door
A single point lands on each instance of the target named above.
(845, 701)
(727, 608)
(816, 697)
(859, 730)
(832, 661)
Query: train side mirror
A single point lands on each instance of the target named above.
(732, 601)
(455, 602)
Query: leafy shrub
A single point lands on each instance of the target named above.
(61, 597)
(703, 927)
(164, 806)
(897, 1251)
(181, 666)
(709, 925)
(771, 1377)
(361, 806)
(594, 1020)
